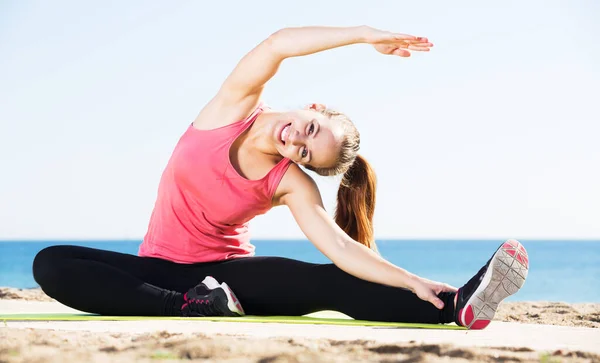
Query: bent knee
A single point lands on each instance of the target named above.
(46, 263)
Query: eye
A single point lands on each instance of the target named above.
(311, 129)
(304, 153)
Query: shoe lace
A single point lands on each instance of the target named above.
(476, 279)
(202, 306)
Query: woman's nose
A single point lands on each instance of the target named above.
(296, 138)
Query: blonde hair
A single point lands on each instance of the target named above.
(356, 194)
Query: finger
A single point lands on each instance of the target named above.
(400, 52)
(421, 44)
(401, 36)
(409, 45)
(412, 39)
(418, 44)
(420, 49)
(437, 302)
(449, 288)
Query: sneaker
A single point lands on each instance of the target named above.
(503, 275)
(210, 298)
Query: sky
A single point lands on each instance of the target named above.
(493, 134)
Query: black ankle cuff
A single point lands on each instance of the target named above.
(447, 313)
(173, 303)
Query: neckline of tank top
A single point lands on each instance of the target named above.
(249, 120)
(230, 164)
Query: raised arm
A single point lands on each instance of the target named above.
(242, 89)
(301, 195)
(261, 64)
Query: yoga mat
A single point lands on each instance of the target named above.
(242, 319)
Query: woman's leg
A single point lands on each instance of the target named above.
(280, 286)
(111, 283)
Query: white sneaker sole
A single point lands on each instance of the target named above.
(232, 301)
(505, 275)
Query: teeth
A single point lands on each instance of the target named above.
(284, 133)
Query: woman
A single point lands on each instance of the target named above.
(239, 159)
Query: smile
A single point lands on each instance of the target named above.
(284, 133)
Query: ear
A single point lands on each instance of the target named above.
(316, 107)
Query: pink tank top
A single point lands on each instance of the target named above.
(203, 205)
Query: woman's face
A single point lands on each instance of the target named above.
(308, 137)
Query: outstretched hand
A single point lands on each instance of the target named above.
(396, 43)
(428, 290)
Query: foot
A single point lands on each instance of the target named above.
(503, 275)
(210, 298)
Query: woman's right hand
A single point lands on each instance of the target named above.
(428, 290)
(395, 43)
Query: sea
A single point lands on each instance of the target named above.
(560, 270)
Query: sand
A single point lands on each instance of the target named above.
(531, 332)
(36, 345)
(9, 293)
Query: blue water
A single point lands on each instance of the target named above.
(559, 270)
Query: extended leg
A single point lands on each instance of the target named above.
(108, 283)
(280, 286)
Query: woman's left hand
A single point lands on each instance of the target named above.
(429, 290)
(396, 43)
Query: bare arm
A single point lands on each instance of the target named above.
(241, 91)
(261, 64)
(307, 208)
(302, 196)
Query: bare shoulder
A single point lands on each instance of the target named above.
(296, 183)
(222, 110)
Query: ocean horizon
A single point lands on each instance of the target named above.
(560, 270)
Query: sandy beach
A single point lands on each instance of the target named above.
(525, 332)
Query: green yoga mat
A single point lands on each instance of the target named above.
(313, 319)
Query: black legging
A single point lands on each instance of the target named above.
(112, 283)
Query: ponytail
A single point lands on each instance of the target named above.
(356, 202)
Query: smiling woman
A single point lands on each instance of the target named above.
(309, 137)
(240, 158)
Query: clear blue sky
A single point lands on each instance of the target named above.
(493, 134)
